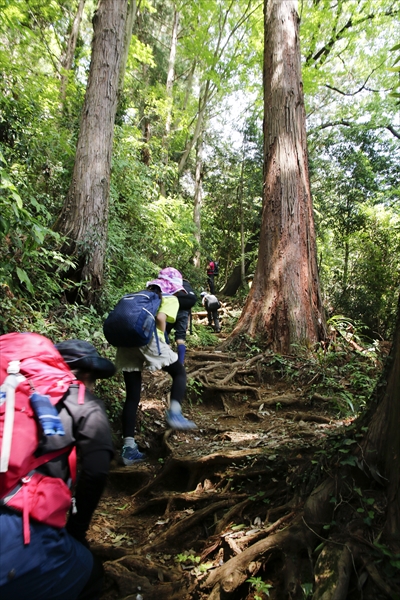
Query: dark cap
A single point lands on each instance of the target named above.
(82, 356)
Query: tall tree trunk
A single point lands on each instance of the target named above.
(84, 217)
(284, 305)
(204, 97)
(171, 70)
(242, 243)
(168, 90)
(381, 448)
(198, 197)
(68, 57)
(130, 20)
(346, 266)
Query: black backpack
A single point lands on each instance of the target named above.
(216, 267)
(186, 301)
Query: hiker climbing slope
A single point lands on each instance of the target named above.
(212, 271)
(154, 355)
(183, 319)
(211, 304)
(44, 554)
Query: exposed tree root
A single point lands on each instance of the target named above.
(232, 574)
(132, 573)
(130, 583)
(301, 535)
(217, 387)
(181, 527)
(378, 580)
(230, 514)
(284, 400)
(216, 376)
(332, 572)
(300, 416)
(172, 500)
(188, 472)
(207, 356)
(281, 549)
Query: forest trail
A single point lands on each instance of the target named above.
(204, 496)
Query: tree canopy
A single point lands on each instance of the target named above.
(193, 73)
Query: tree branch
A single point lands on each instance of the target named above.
(351, 23)
(390, 128)
(393, 131)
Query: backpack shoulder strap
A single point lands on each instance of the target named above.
(11, 382)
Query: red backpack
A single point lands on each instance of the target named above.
(30, 363)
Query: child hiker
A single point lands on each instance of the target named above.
(132, 361)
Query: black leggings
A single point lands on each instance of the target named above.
(133, 385)
(178, 374)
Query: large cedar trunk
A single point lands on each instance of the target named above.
(84, 217)
(381, 448)
(284, 305)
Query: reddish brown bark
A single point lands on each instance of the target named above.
(284, 304)
(381, 449)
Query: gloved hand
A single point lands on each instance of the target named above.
(47, 414)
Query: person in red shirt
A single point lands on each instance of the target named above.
(211, 272)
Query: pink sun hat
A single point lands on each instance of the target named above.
(169, 280)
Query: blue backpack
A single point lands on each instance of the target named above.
(132, 322)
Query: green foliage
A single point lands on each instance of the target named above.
(187, 558)
(146, 230)
(28, 258)
(396, 69)
(307, 589)
(190, 560)
(344, 370)
(233, 198)
(388, 561)
(355, 185)
(260, 586)
(347, 378)
(365, 508)
(341, 75)
(202, 336)
(194, 391)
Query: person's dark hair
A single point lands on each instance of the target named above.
(85, 376)
(156, 289)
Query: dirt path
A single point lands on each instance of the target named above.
(204, 496)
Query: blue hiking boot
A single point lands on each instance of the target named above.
(178, 421)
(132, 456)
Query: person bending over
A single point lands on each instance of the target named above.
(132, 361)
